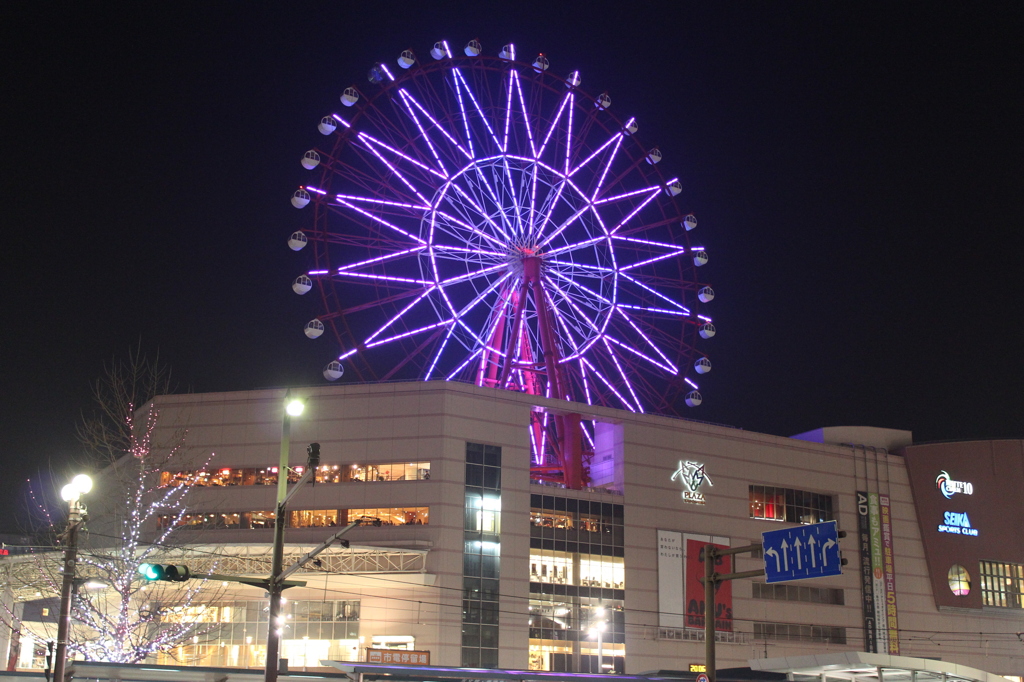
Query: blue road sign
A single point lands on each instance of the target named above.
(801, 552)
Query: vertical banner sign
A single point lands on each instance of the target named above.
(878, 573)
(867, 588)
(695, 588)
(671, 606)
(891, 621)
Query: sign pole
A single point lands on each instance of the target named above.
(710, 579)
(710, 555)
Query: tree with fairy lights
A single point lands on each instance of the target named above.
(116, 615)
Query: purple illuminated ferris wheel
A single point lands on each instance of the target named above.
(481, 219)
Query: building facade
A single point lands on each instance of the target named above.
(476, 565)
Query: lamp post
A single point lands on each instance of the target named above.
(597, 628)
(72, 494)
(293, 407)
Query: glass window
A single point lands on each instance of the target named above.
(1002, 584)
(959, 580)
(786, 504)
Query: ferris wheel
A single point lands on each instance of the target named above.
(481, 219)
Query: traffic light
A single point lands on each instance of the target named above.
(168, 572)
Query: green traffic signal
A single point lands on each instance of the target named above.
(170, 573)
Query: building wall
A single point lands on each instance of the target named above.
(432, 422)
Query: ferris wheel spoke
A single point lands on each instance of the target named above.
(371, 141)
(384, 202)
(616, 138)
(465, 363)
(468, 227)
(673, 368)
(660, 295)
(554, 124)
(596, 372)
(407, 334)
(380, 259)
(366, 276)
(589, 293)
(481, 212)
(629, 348)
(439, 353)
(648, 309)
(398, 174)
(437, 126)
(654, 259)
(622, 374)
(423, 133)
(607, 167)
(426, 292)
(471, 275)
(635, 211)
(476, 104)
(508, 110)
(568, 135)
(526, 114)
(379, 220)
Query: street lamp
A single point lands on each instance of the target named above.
(72, 494)
(293, 407)
(597, 628)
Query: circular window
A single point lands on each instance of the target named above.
(959, 580)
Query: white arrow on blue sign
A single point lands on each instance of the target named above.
(801, 552)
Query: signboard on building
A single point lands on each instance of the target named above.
(671, 606)
(398, 657)
(801, 552)
(695, 588)
(692, 476)
(878, 573)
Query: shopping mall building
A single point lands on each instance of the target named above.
(476, 565)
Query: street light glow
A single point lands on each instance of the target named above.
(80, 485)
(294, 407)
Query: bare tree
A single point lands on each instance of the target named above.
(134, 515)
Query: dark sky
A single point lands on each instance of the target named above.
(857, 170)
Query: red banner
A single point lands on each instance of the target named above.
(695, 588)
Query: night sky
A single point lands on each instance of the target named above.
(857, 169)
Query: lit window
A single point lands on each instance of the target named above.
(959, 580)
(786, 504)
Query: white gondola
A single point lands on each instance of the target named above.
(573, 80)
(693, 399)
(703, 365)
(473, 48)
(631, 127)
(298, 241)
(673, 188)
(541, 63)
(707, 330)
(333, 370)
(603, 101)
(690, 222)
(349, 97)
(654, 156)
(300, 198)
(406, 59)
(508, 53)
(706, 294)
(302, 285)
(328, 124)
(314, 329)
(700, 258)
(310, 160)
(440, 50)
